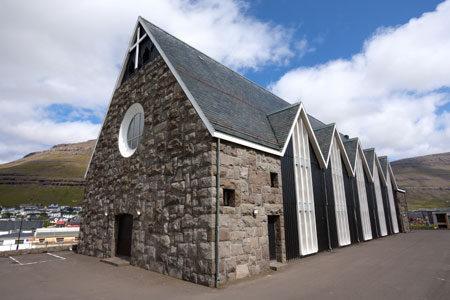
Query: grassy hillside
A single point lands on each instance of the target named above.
(426, 180)
(51, 176)
(56, 176)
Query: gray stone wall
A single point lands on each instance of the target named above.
(402, 211)
(169, 187)
(244, 245)
(167, 184)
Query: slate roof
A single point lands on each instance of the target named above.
(15, 235)
(57, 233)
(370, 157)
(324, 136)
(15, 225)
(233, 104)
(315, 123)
(351, 146)
(384, 163)
(282, 120)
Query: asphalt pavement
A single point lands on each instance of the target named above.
(403, 266)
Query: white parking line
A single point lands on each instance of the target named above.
(37, 262)
(57, 256)
(15, 260)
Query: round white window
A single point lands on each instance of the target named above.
(131, 130)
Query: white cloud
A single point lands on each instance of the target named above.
(302, 48)
(67, 52)
(391, 94)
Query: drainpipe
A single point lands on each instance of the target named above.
(326, 210)
(374, 213)
(354, 211)
(217, 211)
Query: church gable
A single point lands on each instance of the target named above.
(141, 52)
(162, 187)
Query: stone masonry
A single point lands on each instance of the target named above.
(169, 180)
(402, 211)
(244, 248)
(169, 187)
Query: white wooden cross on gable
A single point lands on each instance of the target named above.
(139, 39)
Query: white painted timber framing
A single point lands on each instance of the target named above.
(340, 203)
(139, 39)
(379, 199)
(391, 202)
(362, 195)
(304, 191)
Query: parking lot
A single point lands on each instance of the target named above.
(403, 266)
(30, 259)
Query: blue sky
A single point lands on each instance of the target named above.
(335, 29)
(379, 69)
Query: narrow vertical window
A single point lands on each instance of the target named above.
(273, 179)
(228, 197)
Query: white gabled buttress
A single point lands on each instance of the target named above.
(379, 199)
(362, 195)
(304, 190)
(391, 203)
(340, 203)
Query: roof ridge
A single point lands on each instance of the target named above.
(284, 108)
(325, 126)
(215, 61)
(273, 130)
(243, 131)
(351, 140)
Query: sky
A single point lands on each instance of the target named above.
(379, 69)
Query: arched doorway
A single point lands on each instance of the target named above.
(124, 223)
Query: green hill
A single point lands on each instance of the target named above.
(426, 180)
(56, 176)
(51, 176)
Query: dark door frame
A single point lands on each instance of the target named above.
(124, 234)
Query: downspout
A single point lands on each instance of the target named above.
(354, 211)
(217, 211)
(375, 205)
(326, 210)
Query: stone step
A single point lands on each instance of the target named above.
(277, 266)
(116, 261)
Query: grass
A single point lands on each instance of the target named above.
(422, 226)
(59, 166)
(60, 162)
(425, 171)
(13, 195)
(426, 199)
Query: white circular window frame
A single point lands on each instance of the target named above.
(124, 149)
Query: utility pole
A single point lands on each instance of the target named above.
(20, 231)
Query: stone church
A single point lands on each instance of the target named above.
(201, 174)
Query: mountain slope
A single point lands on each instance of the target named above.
(51, 176)
(426, 180)
(56, 176)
